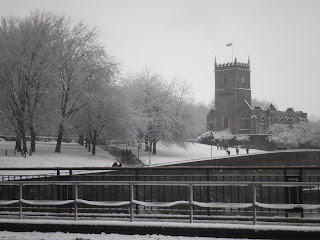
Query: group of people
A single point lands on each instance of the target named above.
(116, 164)
(126, 155)
(237, 151)
(226, 148)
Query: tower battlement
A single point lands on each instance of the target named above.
(230, 65)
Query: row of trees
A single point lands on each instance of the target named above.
(302, 135)
(55, 77)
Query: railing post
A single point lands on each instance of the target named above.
(254, 199)
(131, 202)
(75, 202)
(191, 200)
(20, 201)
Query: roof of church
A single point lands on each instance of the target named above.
(248, 104)
(272, 107)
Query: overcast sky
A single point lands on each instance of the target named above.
(182, 38)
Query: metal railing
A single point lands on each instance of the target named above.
(133, 203)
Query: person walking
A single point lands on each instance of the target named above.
(237, 150)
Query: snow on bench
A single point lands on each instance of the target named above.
(46, 202)
(3, 202)
(104, 204)
(287, 206)
(160, 204)
(222, 205)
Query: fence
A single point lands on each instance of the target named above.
(132, 203)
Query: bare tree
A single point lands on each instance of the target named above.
(264, 104)
(77, 56)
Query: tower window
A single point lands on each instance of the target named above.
(225, 81)
(243, 80)
(225, 123)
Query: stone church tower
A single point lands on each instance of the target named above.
(233, 107)
(232, 98)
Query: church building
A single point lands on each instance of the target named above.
(233, 107)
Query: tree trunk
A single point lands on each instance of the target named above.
(154, 149)
(146, 143)
(33, 139)
(150, 146)
(59, 140)
(24, 142)
(81, 139)
(89, 145)
(22, 134)
(94, 142)
(18, 143)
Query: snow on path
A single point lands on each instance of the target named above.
(82, 236)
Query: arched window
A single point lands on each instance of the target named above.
(262, 125)
(225, 123)
(225, 82)
(262, 120)
(281, 120)
(274, 120)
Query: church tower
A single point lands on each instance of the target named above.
(232, 97)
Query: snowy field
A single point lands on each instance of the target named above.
(72, 155)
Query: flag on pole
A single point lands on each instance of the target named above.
(229, 44)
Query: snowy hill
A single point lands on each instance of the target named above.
(74, 155)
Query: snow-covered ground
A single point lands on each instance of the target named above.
(193, 152)
(81, 236)
(72, 155)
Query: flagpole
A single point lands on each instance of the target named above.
(232, 51)
(228, 45)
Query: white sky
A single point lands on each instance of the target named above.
(182, 37)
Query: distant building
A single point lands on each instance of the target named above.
(233, 107)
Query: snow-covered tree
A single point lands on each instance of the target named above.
(283, 136)
(77, 57)
(207, 137)
(242, 138)
(24, 61)
(161, 108)
(224, 135)
(308, 133)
